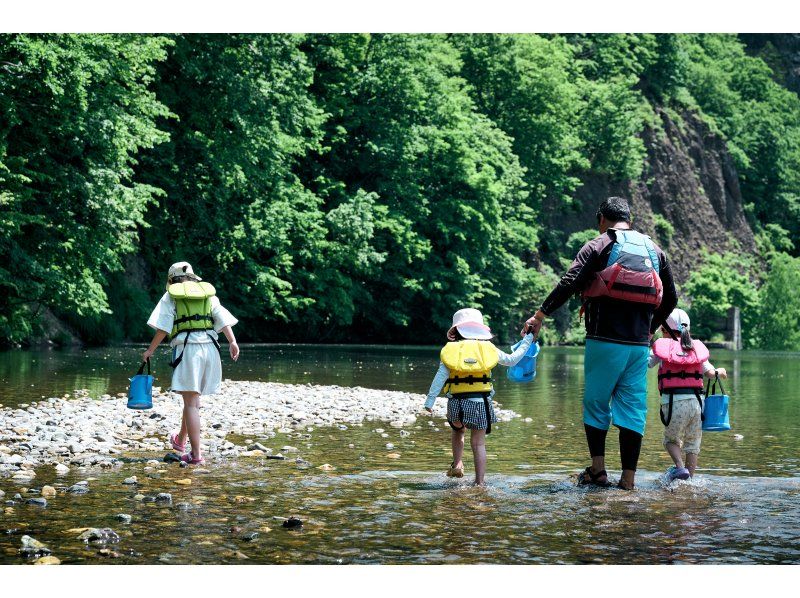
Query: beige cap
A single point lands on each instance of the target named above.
(181, 269)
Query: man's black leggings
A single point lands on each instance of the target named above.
(630, 445)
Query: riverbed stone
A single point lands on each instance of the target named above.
(78, 489)
(37, 502)
(131, 481)
(32, 547)
(61, 469)
(48, 491)
(164, 497)
(123, 517)
(47, 560)
(100, 535)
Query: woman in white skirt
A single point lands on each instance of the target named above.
(192, 317)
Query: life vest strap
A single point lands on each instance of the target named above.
(468, 380)
(633, 288)
(682, 375)
(194, 318)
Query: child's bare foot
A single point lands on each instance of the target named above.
(456, 470)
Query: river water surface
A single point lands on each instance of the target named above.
(742, 507)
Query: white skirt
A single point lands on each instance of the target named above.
(200, 370)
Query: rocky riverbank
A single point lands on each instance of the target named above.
(85, 431)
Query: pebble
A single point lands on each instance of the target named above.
(326, 467)
(293, 523)
(124, 518)
(389, 445)
(61, 469)
(32, 547)
(48, 491)
(172, 458)
(139, 497)
(38, 501)
(47, 560)
(250, 536)
(528, 420)
(184, 482)
(2, 494)
(737, 436)
(183, 506)
(393, 456)
(78, 489)
(163, 497)
(131, 480)
(404, 433)
(104, 535)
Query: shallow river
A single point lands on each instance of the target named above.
(743, 507)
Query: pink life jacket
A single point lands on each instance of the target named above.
(679, 368)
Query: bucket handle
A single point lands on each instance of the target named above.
(714, 386)
(141, 368)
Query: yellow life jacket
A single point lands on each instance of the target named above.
(470, 363)
(193, 306)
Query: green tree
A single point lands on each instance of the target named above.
(713, 289)
(778, 326)
(75, 111)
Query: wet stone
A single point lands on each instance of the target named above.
(97, 535)
(164, 497)
(37, 502)
(183, 506)
(32, 547)
(172, 458)
(250, 536)
(123, 517)
(131, 480)
(293, 523)
(78, 489)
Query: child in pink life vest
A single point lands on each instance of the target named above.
(682, 365)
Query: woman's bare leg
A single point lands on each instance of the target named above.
(477, 440)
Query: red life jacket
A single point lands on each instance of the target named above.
(679, 368)
(631, 273)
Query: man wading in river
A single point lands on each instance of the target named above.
(628, 291)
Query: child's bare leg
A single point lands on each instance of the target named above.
(477, 440)
(457, 440)
(191, 420)
(675, 452)
(184, 432)
(691, 462)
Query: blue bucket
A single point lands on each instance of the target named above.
(140, 393)
(525, 370)
(715, 409)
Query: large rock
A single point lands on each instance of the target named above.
(32, 547)
(97, 535)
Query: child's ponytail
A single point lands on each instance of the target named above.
(686, 338)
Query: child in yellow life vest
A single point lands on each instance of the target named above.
(465, 373)
(192, 316)
(682, 363)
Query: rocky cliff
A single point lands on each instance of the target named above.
(690, 180)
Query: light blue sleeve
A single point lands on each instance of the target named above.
(442, 374)
(652, 360)
(514, 358)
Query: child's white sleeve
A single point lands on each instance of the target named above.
(652, 360)
(222, 317)
(442, 374)
(163, 316)
(707, 367)
(514, 358)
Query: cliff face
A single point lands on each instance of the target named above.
(690, 179)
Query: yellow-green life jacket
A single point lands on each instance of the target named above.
(193, 306)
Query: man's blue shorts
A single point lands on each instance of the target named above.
(616, 385)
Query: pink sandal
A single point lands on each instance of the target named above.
(189, 458)
(173, 440)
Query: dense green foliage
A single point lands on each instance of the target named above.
(360, 187)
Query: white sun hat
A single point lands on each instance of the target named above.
(469, 323)
(181, 269)
(678, 318)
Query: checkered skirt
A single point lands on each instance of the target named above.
(471, 413)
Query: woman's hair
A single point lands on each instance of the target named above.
(686, 338)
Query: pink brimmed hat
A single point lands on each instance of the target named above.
(469, 323)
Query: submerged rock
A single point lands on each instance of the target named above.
(38, 501)
(47, 560)
(48, 491)
(163, 497)
(293, 523)
(61, 469)
(98, 535)
(124, 518)
(78, 489)
(131, 480)
(32, 547)
(172, 458)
